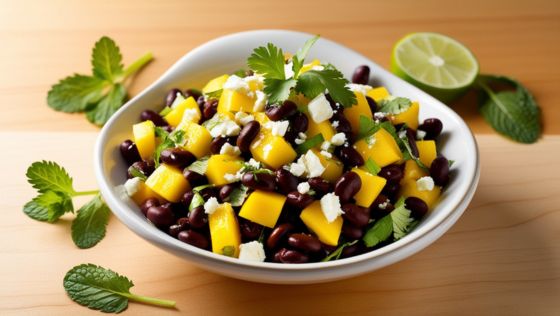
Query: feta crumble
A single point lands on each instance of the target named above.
(330, 205)
(232, 177)
(132, 186)
(260, 101)
(190, 115)
(288, 71)
(179, 98)
(253, 163)
(303, 187)
(425, 184)
(335, 124)
(243, 118)
(320, 109)
(211, 205)
(326, 145)
(252, 251)
(420, 134)
(277, 128)
(228, 149)
(297, 168)
(338, 139)
(313, 164)
(301, 138)
(378, 115)
(363, 89)
(326, 154)
(383, 205)
(237, 84)
(225, 128)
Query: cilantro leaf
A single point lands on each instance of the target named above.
(368, 127)
(401, 219)
(338, 251)
(314, 82)
(278, 90)
(48, 206)
(199, 166)
(197, 201)
(107, 106)
(168, 140)
(397, 223)
(395, 106)
(310, 143)
(90, 225)
(74, 94)
(299, 58)
(268, 61)
(381, 231)
(105, 290)
(238, 195)
(49, 176)
(106, 59)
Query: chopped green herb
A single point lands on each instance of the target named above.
(310, 143)
(216, 94)
(196, 201)
(372, 167)
(199, 166)
(338, 251)
(395, 106)
(238, 196)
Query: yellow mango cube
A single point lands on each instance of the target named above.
(370, 189)
(408, 117)
(262, 119)
(325, 128)
(224, 231)
(313, 217)
(168, 182)
(412, 171)
(272, 150)
(145, 138)
(221, 165)
(175, 116)
(233, 101)
(378, 94)
(333, 166)
(307, 67)
(143, 193)
(409, 188)
(427, 151)
(197, 138)
(215, 84)
(353, 113)
(381, 147)
(263, 208)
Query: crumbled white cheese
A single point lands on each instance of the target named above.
(131, 186)
(378, 115)
(179, 98)
(257, 141)
(252, 251)
(402, 134)
(266, 150)
(330, 205)
(326, 145)
(225, 128)
(190, 115)
(254, 78)
(211, 205)
(320, 109)
(326, 154)
(301, 138)
(363, 89)
(313, 164)
(420, 134)
(303, 187)
(318, 68)
(228, 149)
(425, 184)
(253, 163)
(297, 168)
(232, 177)
(277, 128)
(335, 124)
(383, 205)
(338, 139)
(243, 118)
(260, 102)
(288, 71)
(370, 140)
(236, 83)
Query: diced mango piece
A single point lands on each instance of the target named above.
(333, 166)
(409, 188)
(381, 147)
(313, 217)
(272, 150)
(353, 113)
(262, 119)
(145, 138)
(168, 182)
(176, 115)
(215, 84)
(412, 171)
(325, 128)
(300, 100)
(307, 67)
(233, 101)
(220, 165)
(224, 231)
(408, 117)
(143, 193)
(197, 138)
(255, 85)
(427, 151)
(370, 189)
(378, 94)
(263, 208)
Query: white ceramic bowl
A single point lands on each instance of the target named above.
(229, 53)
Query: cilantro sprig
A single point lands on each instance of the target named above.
(101, 94)
(396, 225)
(56, 191)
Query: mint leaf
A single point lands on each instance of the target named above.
(381, 231)
(299, 58)
(268, 61)
(75, 93)
(395, 106)
(90, 225)
(101, 113)
(48, 206)
(514, 114)
(314, 82)
(106, 59)
(105, 290)
(372, 167)
(310, 143)
(278, 90)
(49, 176)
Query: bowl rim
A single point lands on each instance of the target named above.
(169, 243)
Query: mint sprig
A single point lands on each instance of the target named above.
(89, 227)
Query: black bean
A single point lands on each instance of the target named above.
(349, 156)
(144, 167)
(439, 171)
(194, 178)
(194, 239)
(200, 101)
(372, 104)
(299, 200)
(193, 93)
(247, 135)
(209, 108)
(174, 230)
(361, 75)
(181, 224)
(391, 189)
(216, 144)
(291, 256)
(249, 230)
(149, 115)
(187, 198)
(392, 173)
(411, 137)
(177, 157)
(432, 127)
(225, 191)
(418, 208)
(278, 234)
(279, 112)
(347, 186)
(197, 218)
(259, 181)
(299, 122)
(171, 96)
(350, 251)
(381, 206)
(304, 242)
(357, 215)
(286, 181)
(161, 216)
(129, 152)
(342, 124)
(351, 232)
(207, 193)
(320, 185)
(147, 204)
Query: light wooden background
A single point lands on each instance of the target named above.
(501, 258)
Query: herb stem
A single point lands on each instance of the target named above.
(150, 300)
(80, 193)
(135, 66)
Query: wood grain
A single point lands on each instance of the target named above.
(501, 258)
(43, 42)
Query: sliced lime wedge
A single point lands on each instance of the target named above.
(435, 63)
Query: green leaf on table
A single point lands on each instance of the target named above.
(101, 112)
(512, 113)
(75, 93)
(90, 225)
(278, 90)
(315, 82)
(48, 206)
(105, 290)
(106, 59)
(49, 176)
(268, 61)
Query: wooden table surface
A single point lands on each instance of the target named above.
(501, 258)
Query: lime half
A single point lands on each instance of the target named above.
(435, 63)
